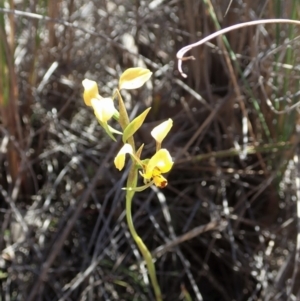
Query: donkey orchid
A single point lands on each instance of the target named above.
(152, 169)
(160, 163)
(160, 132)
(104, 108)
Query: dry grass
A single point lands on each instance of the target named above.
(226, 226)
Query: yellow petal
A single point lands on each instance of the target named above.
(161, 162)
(104, 108)
(90, 91)
(160, 181)
(120, 158)
(134, 78)
(160, 132)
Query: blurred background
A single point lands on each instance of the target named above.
(227, 225)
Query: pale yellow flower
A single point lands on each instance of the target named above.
(153, 168)
(160, 132)
(104, 108)
(120, 157)
(160, 163)
(90, 91)
(134, 78)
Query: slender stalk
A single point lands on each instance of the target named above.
(131, 182)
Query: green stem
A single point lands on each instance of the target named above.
(131, 182)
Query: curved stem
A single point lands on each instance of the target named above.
(131, 182)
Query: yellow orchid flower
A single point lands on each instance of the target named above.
(90, 91)
(104, 108)
(160, 163)
(120, 157)
(160, 132)
(152, 172)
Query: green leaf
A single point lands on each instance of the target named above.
(134, 125)
(134, 78)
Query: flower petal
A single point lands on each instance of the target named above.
(160, 132)
(134, 78)
(160, 181)
(120, 157)
(104, 108)
(90, 91)
(161, 161)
